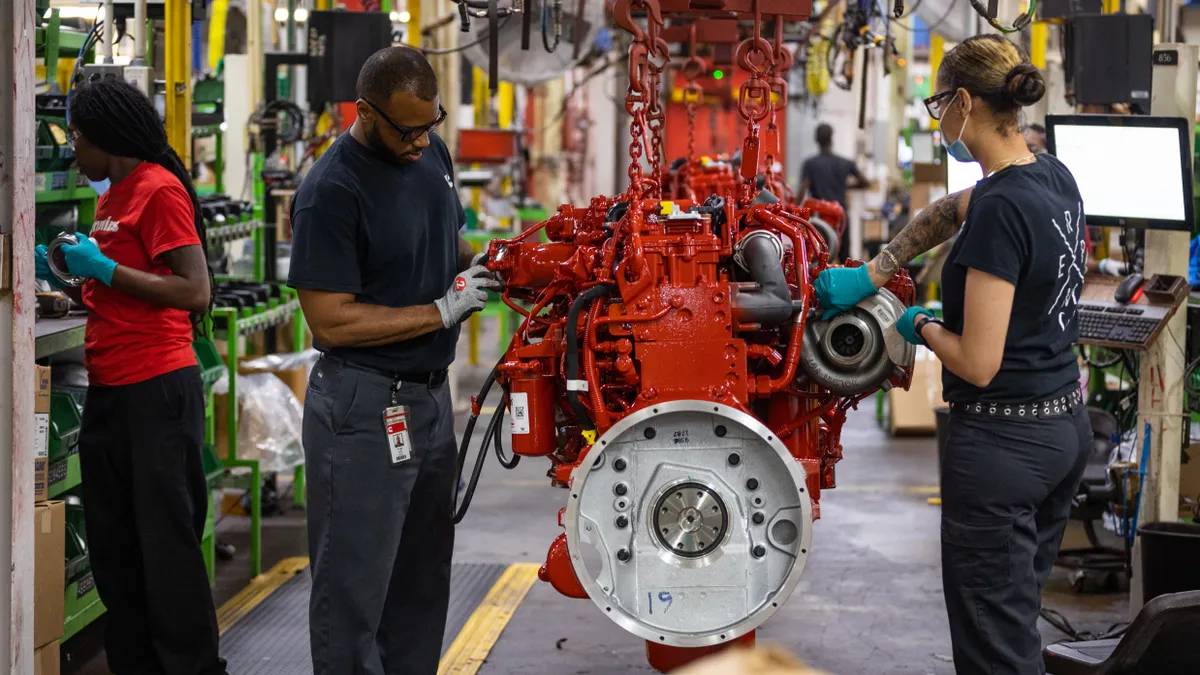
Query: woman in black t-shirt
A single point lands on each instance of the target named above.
(1019, 432)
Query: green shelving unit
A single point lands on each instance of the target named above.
(230, 325)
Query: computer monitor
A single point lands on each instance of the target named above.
(1132, 170)
(961, 175)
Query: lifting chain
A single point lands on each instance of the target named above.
(692, 95)
(780, 65)
(756, 56)
(648, 56)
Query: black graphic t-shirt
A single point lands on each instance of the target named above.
(1025, 225)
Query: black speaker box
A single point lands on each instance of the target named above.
(1111, 58)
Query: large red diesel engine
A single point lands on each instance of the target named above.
(674, 373)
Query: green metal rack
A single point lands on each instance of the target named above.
(230, 325)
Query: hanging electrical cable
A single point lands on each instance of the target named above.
(1019, 23)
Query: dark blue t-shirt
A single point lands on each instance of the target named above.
(386, 233)
(1025, 225)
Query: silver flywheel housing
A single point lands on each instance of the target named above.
(689, 523)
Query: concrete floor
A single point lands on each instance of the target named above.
(869, 601)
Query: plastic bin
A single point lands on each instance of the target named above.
(1169, 552)
(78, 562)
(64, 425)
(211, 365)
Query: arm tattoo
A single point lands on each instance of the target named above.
(934, 225)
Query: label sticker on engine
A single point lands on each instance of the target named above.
(519, 412)
(884, 316)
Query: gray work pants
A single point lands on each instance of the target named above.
(380, 537)
(1007, 486)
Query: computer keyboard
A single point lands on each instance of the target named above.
(1128, 326)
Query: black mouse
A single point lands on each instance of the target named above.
(1128, 288)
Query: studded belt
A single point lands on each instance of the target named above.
(1063, 405)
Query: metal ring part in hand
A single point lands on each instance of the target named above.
(58, 264)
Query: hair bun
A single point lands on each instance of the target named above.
(1024, 84)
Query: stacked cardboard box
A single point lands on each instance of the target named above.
(41, 435)
(49, 551)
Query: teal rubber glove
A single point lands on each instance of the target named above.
(840, 288)
(42, 267)
(905, 324)
(85, 260)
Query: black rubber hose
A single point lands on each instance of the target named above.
(585, 298)
(498, 437)
(460, 510)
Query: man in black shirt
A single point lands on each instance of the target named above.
(384, 279)
(826, 175)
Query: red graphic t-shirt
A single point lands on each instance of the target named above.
(137, 220)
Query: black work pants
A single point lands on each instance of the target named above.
(1007, 486)
(380, 535)
(145, 501)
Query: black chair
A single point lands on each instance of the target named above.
(1098, 490)
(1164, 639)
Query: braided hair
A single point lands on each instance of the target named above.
(117, 117)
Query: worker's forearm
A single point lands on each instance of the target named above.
(935, 224)
(465, 254)
(75, 294)
(955, 355)
(359, 324)
(165, 290)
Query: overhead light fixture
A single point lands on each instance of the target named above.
(281, 14)
(301, 15)
(75, 12)
(405, 17)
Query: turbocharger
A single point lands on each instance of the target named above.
(858, 350)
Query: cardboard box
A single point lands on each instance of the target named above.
(875, 229)
(912, 411)
(49, 551)
(46, 659)
(929, 173)
(41, 433)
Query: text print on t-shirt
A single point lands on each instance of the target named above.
(1070, 265)
(106, 225)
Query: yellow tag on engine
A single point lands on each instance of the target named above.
(666, 208)
(589, 435)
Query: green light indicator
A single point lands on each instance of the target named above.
(717, 75)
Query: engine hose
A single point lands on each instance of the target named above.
(460, 510)
(497, 436)
(573, 380)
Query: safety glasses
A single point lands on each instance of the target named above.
(410, 134)
(936, 104)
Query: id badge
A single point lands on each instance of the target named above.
(395, 424)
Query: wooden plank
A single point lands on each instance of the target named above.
(16, 325)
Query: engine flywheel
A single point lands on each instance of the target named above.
(689, 523)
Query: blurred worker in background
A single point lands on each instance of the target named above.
(1019, 433)
(385, 280)
(145, 497)
(1035, 138)
(827, 176)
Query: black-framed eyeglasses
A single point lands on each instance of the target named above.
(72, 136)
(409, 134)
(934, 104)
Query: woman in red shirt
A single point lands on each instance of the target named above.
(144, 492)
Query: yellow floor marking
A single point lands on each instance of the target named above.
(477, 637)
(259, 589)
